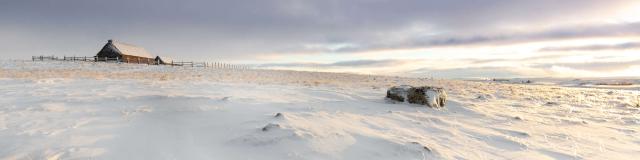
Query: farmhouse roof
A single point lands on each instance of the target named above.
(128, 49)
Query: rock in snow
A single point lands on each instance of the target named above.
(425, 95)
(398, 93)
(270, 126)
(430, 96)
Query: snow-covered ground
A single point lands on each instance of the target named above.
(66, 110)
(626, 83)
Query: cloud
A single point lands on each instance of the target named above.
(349, 64)
(522, 60)
(472, 72)
(560, 33)
(589, 69)
(622, 46)
(505, 38)
(593, 66)
(534, 66)
(243, 29)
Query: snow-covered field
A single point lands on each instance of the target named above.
(626, 83)
(66, 110)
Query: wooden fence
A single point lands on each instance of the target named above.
(216, 65)
(65, 58)
(210, 65)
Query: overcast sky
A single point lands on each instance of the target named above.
(424, 38)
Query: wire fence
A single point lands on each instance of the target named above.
(209, 65)
(216, 65)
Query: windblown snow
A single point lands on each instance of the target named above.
(67, 110)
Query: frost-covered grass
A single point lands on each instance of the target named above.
(66, 110)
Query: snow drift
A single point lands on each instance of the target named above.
(67, 110)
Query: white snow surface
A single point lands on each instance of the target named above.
(68, 110)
